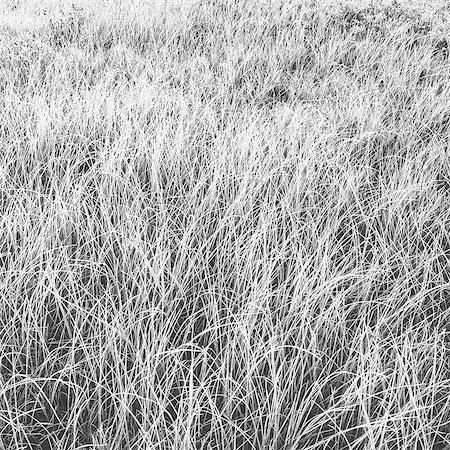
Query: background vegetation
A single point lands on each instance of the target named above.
(224, 225)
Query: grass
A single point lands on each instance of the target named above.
(224, 225)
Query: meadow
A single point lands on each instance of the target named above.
(224, 225)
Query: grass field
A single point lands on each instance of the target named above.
(224, 225)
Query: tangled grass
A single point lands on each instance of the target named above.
(224, 226)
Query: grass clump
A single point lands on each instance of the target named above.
(224, 225)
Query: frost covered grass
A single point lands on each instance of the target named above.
(224, 226)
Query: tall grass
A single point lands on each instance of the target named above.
(224, 226)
